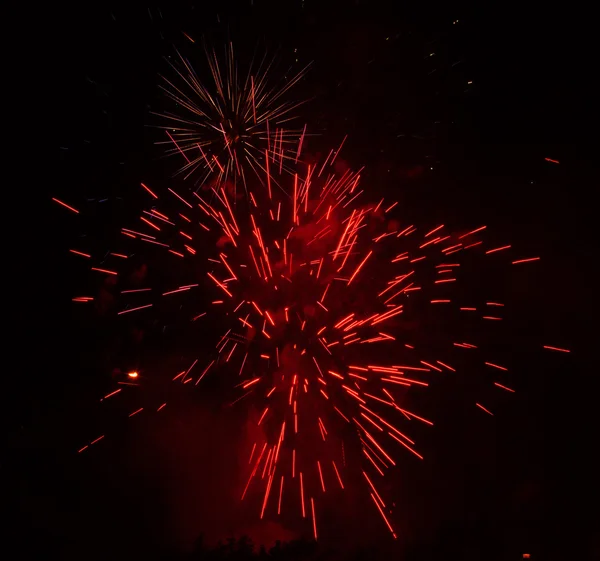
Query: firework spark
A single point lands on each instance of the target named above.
(222, 128)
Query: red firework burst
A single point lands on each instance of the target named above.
(317, 290)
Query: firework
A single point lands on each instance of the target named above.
(223, 128)
(314, 289)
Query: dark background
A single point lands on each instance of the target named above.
(443, 147)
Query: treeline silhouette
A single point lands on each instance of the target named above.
(243, 549)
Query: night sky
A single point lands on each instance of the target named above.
(453, 113)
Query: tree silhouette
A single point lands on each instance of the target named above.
(243, 549)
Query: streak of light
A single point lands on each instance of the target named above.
(65, 205)
(556, 349)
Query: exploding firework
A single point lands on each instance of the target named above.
(223, 129)
(315, 288)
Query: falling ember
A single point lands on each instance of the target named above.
(302, 496)
(66, 205)
(526, 260)
(80, 253)
(498, 249)
(313, 290)
(556, 349)
(149, 190)
(504, 387)
(496, 366)
(484, 409)
(134, 309)
(104, 271)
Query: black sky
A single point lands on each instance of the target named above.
(462, 133)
